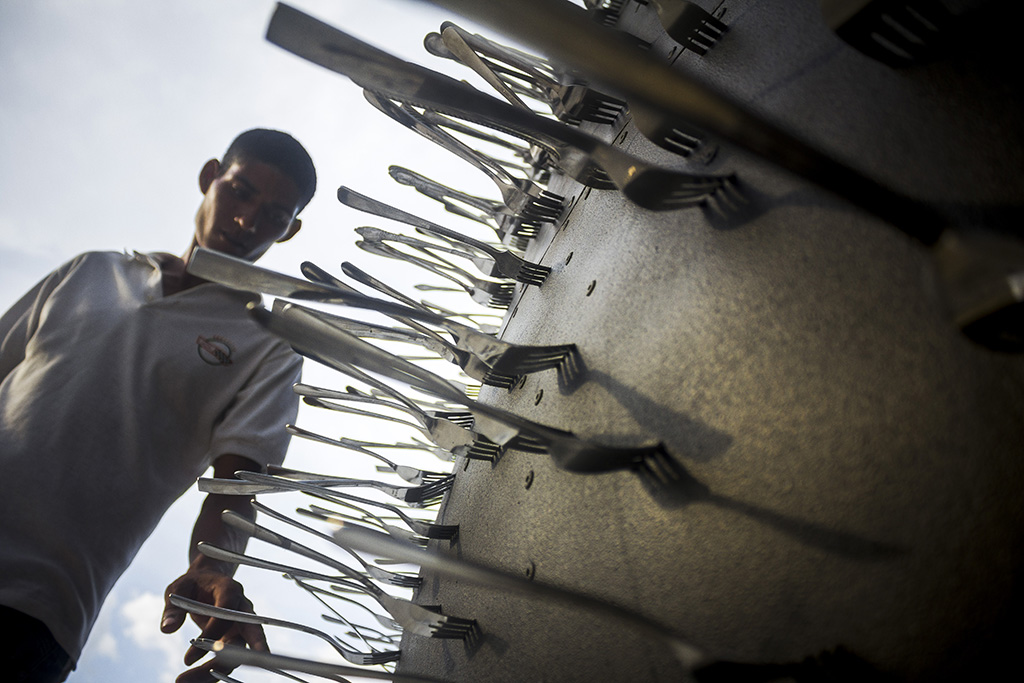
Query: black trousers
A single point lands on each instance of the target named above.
(28, 652)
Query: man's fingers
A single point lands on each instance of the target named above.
(172, 619)
(254, 637)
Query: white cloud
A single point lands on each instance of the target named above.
(141, 615)
(106, 645)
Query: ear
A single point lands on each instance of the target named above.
(292, 229)
(210, 170)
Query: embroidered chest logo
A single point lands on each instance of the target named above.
(214, 350)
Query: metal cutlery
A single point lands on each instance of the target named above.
(373, 234)
(671, 134)
(416, 496)
(209, 645)
(365, 516)
(495, 288)
(384, 621)
(561, 32)
(513, 230)
(351, 394)
(366, 540)
(492, 295)
(500, 356)
(649, 186)
(418, 526)
(375, 572)
(410, 474)
(233, 655)
(587, 159)
(444, 433)
(360, 658)
(507, 263)
(522, 196)
(648, 458)
(441, 453)
(568, 97)
(253, 529)
(412, 617)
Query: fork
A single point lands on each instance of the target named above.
(495, 288)
(492, 287)
(443, 432)
(471, 344)
(416, 496)
(344, 443)
(374, 234)
(500, 297)
(503, 358)
(324, 515)
(651, 187)
(689, 24)
(234, 656)
(343, 351)
(413, 618)
(243, 275)
(375, 572)
(507, 264)
(648, 458)
(461, 418)
(516, 231)
(209, 645)
(461, 570)
(360, 658)
(413, 475)
(570, 99)
(247, 526)
(547, 152)
(522, 196)
(425, 337)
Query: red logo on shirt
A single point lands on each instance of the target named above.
(215, 350)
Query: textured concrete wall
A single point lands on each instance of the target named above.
(862, 460)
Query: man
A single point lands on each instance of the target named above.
(122, 378)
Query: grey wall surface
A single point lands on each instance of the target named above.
(858, 461)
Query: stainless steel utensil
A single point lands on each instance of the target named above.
(412, 617)
(360, 658)
(366, 540)
(500, 356)
(513, 230)
(522, 196)
(372, 570)
(649, 186)
(569, 452)
(233, 655)
(508, 264)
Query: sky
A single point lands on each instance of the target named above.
(109, 108)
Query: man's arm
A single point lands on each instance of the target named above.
(210, 581)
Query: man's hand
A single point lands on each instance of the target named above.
(220, 590)
(210, 581)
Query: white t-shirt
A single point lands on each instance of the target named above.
(113, 399)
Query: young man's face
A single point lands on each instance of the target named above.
(246, 208)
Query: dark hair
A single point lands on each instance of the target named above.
(277, 149)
